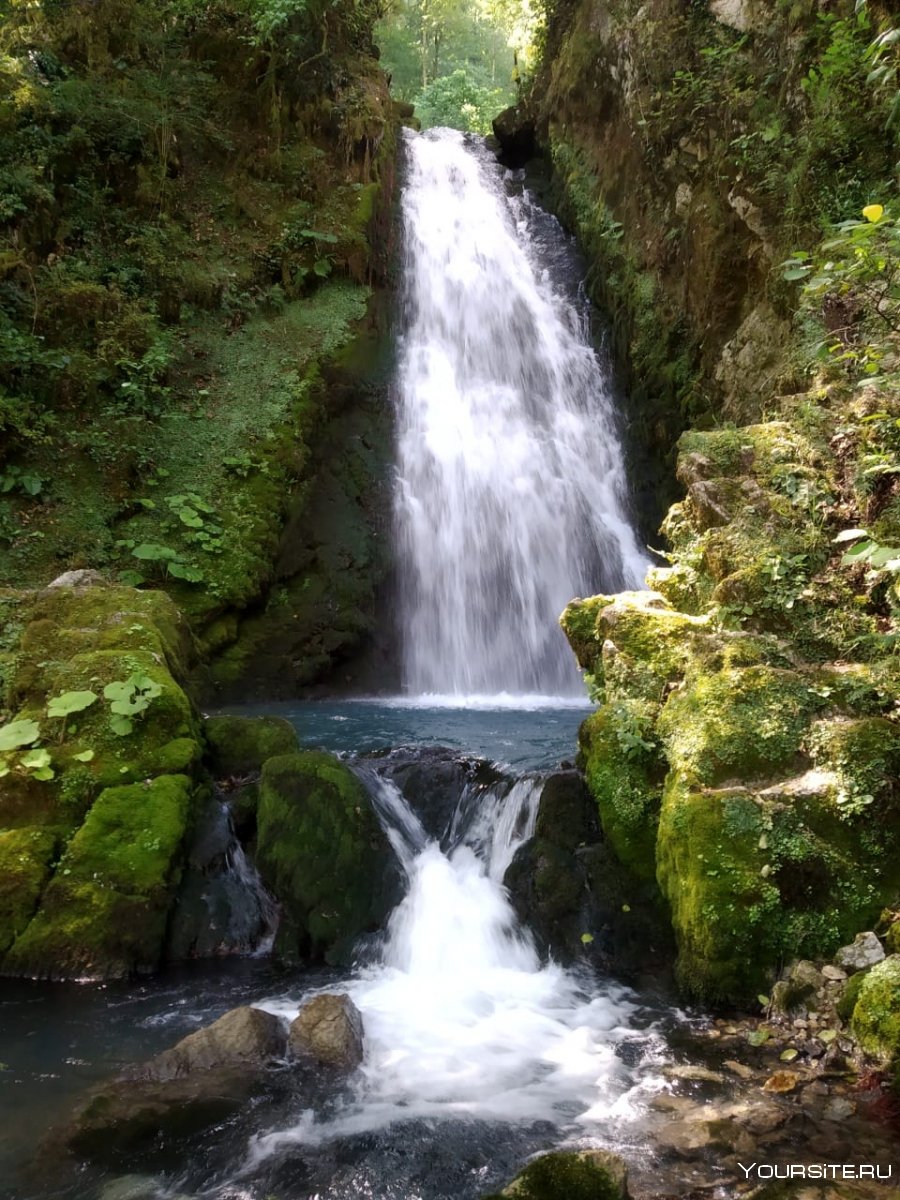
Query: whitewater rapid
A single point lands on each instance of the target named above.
(462, 1019)
(511, 490)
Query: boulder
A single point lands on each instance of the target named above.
(78, 579)
(863, 952)
(240, 745)
(245, 1038)
(570, 1175)
(323, 855)
(876, 1014)
(514, 130)
(199, 1082)
(329, 1028)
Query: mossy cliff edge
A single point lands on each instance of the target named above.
(194, 219)
(746, 752)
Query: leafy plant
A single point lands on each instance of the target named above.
(129, 700)
(37, 762)
(67, 704)
(14, 477)
(16, 734)
(868, 552)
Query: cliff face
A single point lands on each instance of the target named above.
(746, 751)
(695, 147)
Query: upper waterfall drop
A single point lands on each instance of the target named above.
(511, 485)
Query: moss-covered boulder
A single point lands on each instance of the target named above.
(876, 1013)
(104, 913)
(240, 745)
(570, 1175)
(741, 779)
(92, 837)
(322, 853)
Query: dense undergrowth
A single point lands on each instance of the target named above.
(186, 195)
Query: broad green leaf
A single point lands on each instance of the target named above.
(84, 756)
(36, 760)
(70, 702)
(121, 726)
(119, 689)
(185, 571)
(19, 733)
(151, 552)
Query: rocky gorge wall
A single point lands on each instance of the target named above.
(192, 197)
(745, 754)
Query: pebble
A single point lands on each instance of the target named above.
(834, 974)
(782, 1081)
(838, 1109)
(739, 1069)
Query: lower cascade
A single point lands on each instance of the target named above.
(511, 486)
(462, 1019)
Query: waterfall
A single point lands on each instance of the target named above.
(462, 1019)
(510, 494)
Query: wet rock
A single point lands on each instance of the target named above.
(838, 1109)
(245, 1038)
(514, 130)
(864, 951)
(199, 1082)
(240, 745)
(694, 1073)
(571, 1175)
(137, 1187)
(740, 1069)
(329, 1028)
(782, 1081)
(323, 855)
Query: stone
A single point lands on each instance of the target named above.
(694, 1073)
(740, 1069)
(78, 579)
(782, 1081)
(329, 1028)
(240, 745)
(323, 855)
(246, 1038)
(200, 1081)
(833, 974)
(515, 131)
(864, 951)
(571, 1175)
(838, 1109)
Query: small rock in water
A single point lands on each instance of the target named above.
(781, 1081)
(329, 1028)
(740, 1069)
(693, 1072)
(244, 1037)
(838, 1109)
(864, 951)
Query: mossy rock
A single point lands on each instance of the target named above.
(570, 1175)
(25, 858)
(322, 853)
(876, 1014)
(240, 745)
(104, 913)
(741, 724)
(625, 776)
(754, 877)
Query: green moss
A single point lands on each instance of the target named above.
(625, 776)
(876, 1015)
(736, 724)
(322, 853)
(850, 995)
(25, 858)
(104, 913)
(564, 1175)
(240, 745)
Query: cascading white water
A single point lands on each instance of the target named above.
(461, 1018)
(510, 496)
